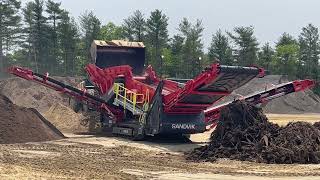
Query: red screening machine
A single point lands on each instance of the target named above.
(133, 101)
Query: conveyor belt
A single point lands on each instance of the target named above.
(83, 96)
(230, 78)
(214, 87)
(261, 97)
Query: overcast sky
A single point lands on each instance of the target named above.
(270, 18)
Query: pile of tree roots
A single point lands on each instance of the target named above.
(244, 133)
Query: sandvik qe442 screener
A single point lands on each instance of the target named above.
(133, 101)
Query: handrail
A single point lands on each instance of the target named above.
(128, 95)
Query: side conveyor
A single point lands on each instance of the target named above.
(98, 103)
(213, 113)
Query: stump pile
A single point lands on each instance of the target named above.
(244, 133)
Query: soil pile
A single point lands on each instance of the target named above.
(29, 94)
(19, 124)
(244, 133)
(66, 120)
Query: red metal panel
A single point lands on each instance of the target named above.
(173, 94)
(302, 85)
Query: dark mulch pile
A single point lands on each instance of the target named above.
(244, 133)
(19, 124)
(317, 125)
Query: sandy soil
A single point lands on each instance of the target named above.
(283, 119)
(94, 157)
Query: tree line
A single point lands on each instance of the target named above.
(43, 36)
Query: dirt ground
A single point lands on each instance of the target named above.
(94, 157)
(283, 119)
(106, 157)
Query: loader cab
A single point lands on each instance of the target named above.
(118, 52)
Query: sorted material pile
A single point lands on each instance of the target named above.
(66, 120)
(29, 94)
(19, 124)
(244, 133)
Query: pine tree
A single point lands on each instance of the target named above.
(192, 49)
(27, 46)
(247, 45)
(90, 27)
(54, 16)
(134, 27)
(37, 32)
(309, 51)
(176, 46)
(9, 28)
(68, 37)
(286, 39)
(220, 48)
(157, 37)
(127, 27)
(266, 56)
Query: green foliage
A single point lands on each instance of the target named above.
(28, 41)
(309, 52)
(287, 59)
(9, 28)
(266, 56)
(156, 37)
(37, 32)
(54, 10)
(90, 26)
(247, 45)
(192, 48)
(49, 39)
(54, 16)
(317, 89)
(168, 64)
(286, 39)
(46, 40)
(17, 58)
(220, 49)
(134, 27)
(110, 32)
(176, 46)
(68, 36)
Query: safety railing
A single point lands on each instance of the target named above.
(128, 96)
